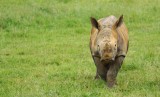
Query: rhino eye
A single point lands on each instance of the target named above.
(115, 47)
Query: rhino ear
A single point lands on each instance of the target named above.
(118, 22)
(94, 23)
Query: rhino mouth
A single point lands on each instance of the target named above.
(107, 60)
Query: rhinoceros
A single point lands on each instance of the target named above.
(109, 43)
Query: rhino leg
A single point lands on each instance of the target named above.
(113, 71)
(101, 69)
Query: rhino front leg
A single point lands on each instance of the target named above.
(96, 64)
(100, 69)
(113, 71)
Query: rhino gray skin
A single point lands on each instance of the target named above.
(109, 45)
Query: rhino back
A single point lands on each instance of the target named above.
(107, 22)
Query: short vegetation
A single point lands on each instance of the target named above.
(44, 48)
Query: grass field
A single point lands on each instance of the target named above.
(44, 48)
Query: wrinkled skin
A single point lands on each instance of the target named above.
(109, 46)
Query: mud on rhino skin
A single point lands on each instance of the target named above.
(109, 43)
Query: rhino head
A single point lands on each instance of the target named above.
(106, 41)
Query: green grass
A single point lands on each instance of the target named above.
(44, 48)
